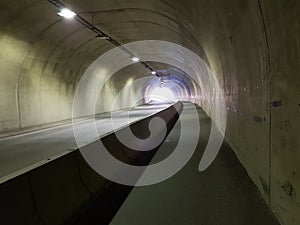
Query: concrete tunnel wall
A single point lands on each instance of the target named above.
(41, 63)
(252, 46)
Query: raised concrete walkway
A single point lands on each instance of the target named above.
(221, 195)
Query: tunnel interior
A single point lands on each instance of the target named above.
(172, 85)
(251, 49)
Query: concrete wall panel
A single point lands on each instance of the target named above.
(58, 190)
(17, 198)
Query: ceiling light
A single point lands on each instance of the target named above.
(100, 37)
(67, 13)
(135, 59)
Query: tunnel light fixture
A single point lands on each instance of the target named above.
(135, 59)
(67, 13)
(101, 37)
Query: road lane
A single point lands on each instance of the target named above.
(24, 152)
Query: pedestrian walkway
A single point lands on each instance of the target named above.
(221, 195)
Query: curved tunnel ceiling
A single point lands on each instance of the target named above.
(53, 53)
(58, 51)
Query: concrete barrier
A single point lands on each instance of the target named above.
(17, 203)
(69, 191)
(94, 183)
(103, 208)
(58, 190)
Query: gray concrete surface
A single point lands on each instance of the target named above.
(21, 153)
(224, 194)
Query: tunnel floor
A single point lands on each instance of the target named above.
(221, 195)
(24, 152)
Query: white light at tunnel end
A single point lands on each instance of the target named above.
(86, 100)
(162, 94)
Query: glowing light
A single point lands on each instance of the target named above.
(129, 81)
(100, 37)
(67, 13)
(162, 94)
(135, 59)
(153, 73)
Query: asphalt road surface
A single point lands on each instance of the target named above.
(21, 153)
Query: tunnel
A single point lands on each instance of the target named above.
(150, 112)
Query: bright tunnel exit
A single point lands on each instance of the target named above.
(161, 95)
(168, 88)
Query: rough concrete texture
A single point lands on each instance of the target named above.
(251, 46)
